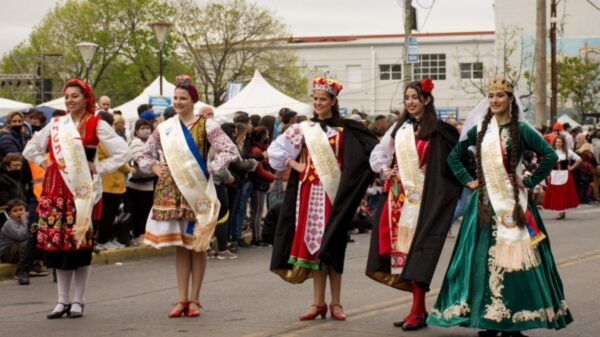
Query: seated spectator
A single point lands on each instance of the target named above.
(14, 233)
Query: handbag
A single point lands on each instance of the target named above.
(140, 176)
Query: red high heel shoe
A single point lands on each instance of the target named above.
(320, 310)
(339, 315)
(193, 312)
(179, 310)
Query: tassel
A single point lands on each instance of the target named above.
(80, 230)
(517, 255)
(203, 232)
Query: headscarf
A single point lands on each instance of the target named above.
(90, 99)
(185, 82)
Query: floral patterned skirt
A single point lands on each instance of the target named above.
(56, 211)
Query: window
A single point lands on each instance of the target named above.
(431, 66)
(354, 78)
(390, 72)
(471, 70)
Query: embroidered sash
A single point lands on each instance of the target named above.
(412, 178)
(514, 249)
(69, 153)
(323, 158)
(189, 172)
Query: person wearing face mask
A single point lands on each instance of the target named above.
(12, 136)
(140, 186)
(11, 184)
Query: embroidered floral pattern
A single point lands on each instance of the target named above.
(457, 310)
(546, 315)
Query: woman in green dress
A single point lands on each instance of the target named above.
(502, 277)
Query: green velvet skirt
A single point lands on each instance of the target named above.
(478, 294)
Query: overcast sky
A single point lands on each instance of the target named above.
(305, 17)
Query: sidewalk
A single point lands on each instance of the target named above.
(7, 270)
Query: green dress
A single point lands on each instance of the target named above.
(478, 294)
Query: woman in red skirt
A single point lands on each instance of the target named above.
(65, 235)
(329, 158)
(561, 193)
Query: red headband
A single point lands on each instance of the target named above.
(90, 99)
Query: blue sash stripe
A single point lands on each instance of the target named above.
(192, 146)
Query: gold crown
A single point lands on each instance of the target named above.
(498, 83)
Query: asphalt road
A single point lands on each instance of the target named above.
(242, 298)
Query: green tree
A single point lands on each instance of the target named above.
(227, 40)
(579, 83)
(126, 59)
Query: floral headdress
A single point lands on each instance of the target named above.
(185, 82)
(331, 86)
(427, 85)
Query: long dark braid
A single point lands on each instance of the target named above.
(483, 210)
(518, 212)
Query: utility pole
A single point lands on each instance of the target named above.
(553, 69)
(540, 63)
(408, 24)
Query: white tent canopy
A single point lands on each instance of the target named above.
(566, 119)
(57, 104)
(129, 109)
(8, 105)
(259, 97)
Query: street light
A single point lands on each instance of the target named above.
(161, 30)
(87, 50)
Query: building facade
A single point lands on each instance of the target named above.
(371, 68)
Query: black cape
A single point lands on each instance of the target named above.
(356, 176)
(441, 192)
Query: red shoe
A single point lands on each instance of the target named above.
(191, 312)
(319, 310)
(337, 315)
(179, 310)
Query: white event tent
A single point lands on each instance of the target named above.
(259, 97)
(566, 119)
(57, 104)
(8, 105)
(129, 109)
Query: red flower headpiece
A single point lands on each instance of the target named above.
(331, 86)
(90, 99)
(427, 85)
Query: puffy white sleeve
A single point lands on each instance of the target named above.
(286, 147)
(225, 150)
(35, 150)
(573, 156)
(383, 153)
(115, 145)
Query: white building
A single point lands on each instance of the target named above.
(370, 68)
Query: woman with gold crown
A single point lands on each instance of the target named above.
(421, 196)
(72, 189)
(502, 277)
(329, 158)
(186, 207)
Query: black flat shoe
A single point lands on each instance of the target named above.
(488, 333)
(58, 314)
(420, 324)
(512, 334)
(561, 216)
(398, 324)
(75, 314)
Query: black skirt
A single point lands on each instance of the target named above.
(68, 260)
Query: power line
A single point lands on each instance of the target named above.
(427, 16)
(593, 4)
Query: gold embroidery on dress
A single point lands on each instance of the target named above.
(457, 310)
(546, 315)
(497, 310)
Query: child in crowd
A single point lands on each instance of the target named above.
(14, 234)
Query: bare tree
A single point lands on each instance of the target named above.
(226, 41)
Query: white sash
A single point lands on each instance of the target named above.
(323, 158)
(412, 178)
(514, 249)
(199, 192)
(69, 153)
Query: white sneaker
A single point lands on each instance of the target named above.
(226, 255)
(110, 246)
(100, 246)
(117, 244)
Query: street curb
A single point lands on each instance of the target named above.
(7, 270)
